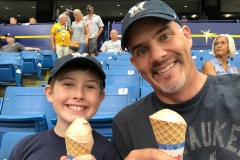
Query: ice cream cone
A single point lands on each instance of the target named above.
(169, 129)
(78, 138)
(74, 148)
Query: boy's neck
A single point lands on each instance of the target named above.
(60, 129)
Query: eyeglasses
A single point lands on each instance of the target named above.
(221, 43)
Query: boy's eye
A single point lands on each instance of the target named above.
(68, 84)
(90, 86)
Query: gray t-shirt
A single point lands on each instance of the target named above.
(111, 46)
(78, 31)
(212, 116)
(13, 47)
(94, 23)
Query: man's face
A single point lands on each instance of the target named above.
(10, 39)
(114, 35)
(90, 12)
(63, 19)
(161, 53)
(13, 21)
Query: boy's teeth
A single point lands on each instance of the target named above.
(76, 108)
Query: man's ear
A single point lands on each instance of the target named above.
(187, 36)
(48, 90)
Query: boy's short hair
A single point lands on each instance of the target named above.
(81, 61)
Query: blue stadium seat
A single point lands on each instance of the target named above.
(123, 57)
(199, 65)
(27, 103)
(49, 59)
(103, 62)
(10, 54)
(145, 83)
(119, 63)
(11, 70)
(199, 52)
(9, 140)
(32, 63)
(145, 90)
(108, 54)
(115, 77)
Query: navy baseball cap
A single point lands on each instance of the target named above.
(70, 8)
(150, 8)
(9, 35)
(83, 59)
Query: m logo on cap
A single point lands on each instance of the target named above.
(79, 55)
(135, 9)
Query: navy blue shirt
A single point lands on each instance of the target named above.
(48, 145)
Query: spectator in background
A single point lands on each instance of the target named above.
(113, 45)
(61, 36)
(203, 16)
(13, 46)
(184, 19)
(67, 12)
(223, 47)
(32, 20)
(79, 28)
(95, 25)
(13, 20)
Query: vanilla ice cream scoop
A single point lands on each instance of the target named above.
(78, 138)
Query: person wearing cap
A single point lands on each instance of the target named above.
(184, 19)
(67, 12)
(60, 36)
(76, 90)
(95, 25)
(160, 51)
(113, 45)
(13, 46)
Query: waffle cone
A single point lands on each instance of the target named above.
(74, 148)
(168, 132)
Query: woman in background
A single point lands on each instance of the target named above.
(223, 47)
(32, 20)
(79, 29)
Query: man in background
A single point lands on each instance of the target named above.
(13, 46)
(95, 25)
(113, 45)
(61, 36)
(13, 20)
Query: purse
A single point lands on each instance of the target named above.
(73, 45)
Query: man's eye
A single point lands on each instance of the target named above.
(165, 36)
(141, 51)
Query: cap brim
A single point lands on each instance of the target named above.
(70, 10)
(85, 61)
(123, 42)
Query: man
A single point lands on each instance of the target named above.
(13, 20)
(61, 36)
(67, 12)
(160, 51)
(13, 46)
(95, 25)
(203, 16)
(113, 45)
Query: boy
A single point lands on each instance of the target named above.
(75, 88)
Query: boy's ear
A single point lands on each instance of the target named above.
(48, 92)
(102, 97)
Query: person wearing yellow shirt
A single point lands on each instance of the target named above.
(60, 36)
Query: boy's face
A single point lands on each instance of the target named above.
(75, 94)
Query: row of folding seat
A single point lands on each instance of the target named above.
(29, 63)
